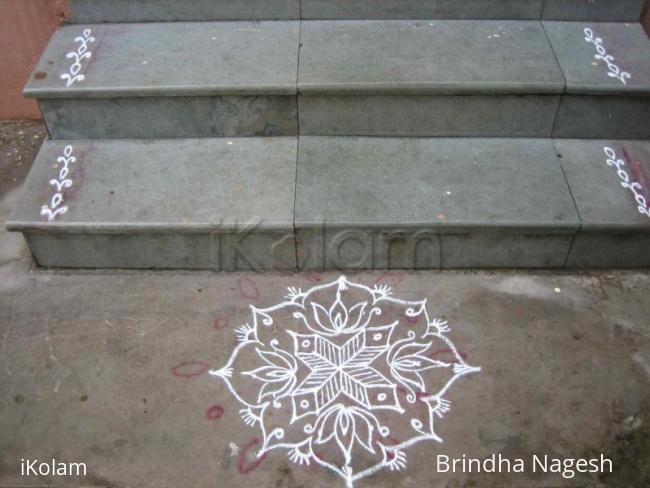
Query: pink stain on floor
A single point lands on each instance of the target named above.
(214, 412)
(190, 369)
(248, 288)
(637, 172)
(243, 465)
(313, 277)
(391, 278)
(220, 322)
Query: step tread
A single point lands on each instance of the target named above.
(416, 57)
(626, 42)
(187, 185)
(440, 183)
(603, 203)
(177, 58)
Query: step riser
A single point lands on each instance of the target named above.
(218, 252)
(85, 11)
(426, 116)
(350, 250)
(601, 117)
(438, 116)
(404, 249)
(609, 250)
(598, 11)
(170, 117)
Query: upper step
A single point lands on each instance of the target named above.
(162, 80)
(168, 59)
(426, 58)
(90, 11)
(353, 77)
(401, 78)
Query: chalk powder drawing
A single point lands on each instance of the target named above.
(336, 374)
(634, 187)
(60, 183)
(601, 54)
(78, 56)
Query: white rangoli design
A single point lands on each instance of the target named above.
(60, 183)
(82, 52)
(344, 375)
(601, 54)
(634, 186)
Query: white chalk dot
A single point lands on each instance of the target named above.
(557, 290)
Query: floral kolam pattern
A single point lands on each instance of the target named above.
(344, 376)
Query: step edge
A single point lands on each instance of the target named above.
(120, 228)
(159, 91)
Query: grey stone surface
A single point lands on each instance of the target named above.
(415, 58)
(176, 10)
(614, 231)
(444, 115)
(216, 251)
(602, 201)
(405, 248)
(598, 105)
(487, 200)
(585, 75)
(170, 117)
(610, 250)
(172, 59)
(598, 117)
(596, 10)
(421, 9)
(87, 361)
(164, 204)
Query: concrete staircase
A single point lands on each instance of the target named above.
(283, 134)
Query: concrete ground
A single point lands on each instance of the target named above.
(110, 369)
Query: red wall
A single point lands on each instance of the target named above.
(25, 29)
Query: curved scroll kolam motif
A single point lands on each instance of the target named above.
(81, 53)
(344, 376)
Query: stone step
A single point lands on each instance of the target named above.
(192, 204)
(610, 183)
(164, 80)
(351, 202)
(437, 78)
(473, 79)
(606, 67)
(431, 203)
(84, 11)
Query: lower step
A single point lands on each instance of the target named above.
(184, 203)
(338, 202)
